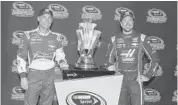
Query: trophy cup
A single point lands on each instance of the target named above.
(88, 38)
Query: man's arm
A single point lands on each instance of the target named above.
(59, 54)
(22, 55)
(111, 53)
(152, 56)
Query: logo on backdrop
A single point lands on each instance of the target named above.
(17, 38)
(17, 93)
(158, 71)
(120, 10)
(59, 11)
(156, 16)
(156, 43)
(22, 9)
(91, 13)
(84, 98)
(151, 95)
(174, 98)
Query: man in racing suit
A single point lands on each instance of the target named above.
(125, 55)
(40, 48)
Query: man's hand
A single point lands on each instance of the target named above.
(24, 83)
(118, 73)
(64, 66)
(142, 78)
(112, 68)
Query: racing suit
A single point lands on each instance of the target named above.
(126, 52)
(40, 52)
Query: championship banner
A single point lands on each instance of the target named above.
(104, 90)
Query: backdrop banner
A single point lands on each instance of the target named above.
(156, 19)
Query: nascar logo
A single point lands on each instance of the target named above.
(59, 11)
(156, 16)
(17, 37)
(84, 98)
(22, 9)
(90, 12)
(151, 95)
(156, 43)
(17, 93)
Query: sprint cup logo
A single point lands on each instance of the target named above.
(120, 10)
(174, 98)
(158, 71)
(156, 43)
(151, 95)
(84, 98)
(17, 37)
(156, 16)
(91, 13)
(22, 9)
(59, 11)
(17, 93)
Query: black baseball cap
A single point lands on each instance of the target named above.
(45, 11)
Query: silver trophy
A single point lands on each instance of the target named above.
(88, 38)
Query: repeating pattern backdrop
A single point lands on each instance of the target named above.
(165, 85)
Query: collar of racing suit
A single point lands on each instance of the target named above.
(129, 35)
(46, 34)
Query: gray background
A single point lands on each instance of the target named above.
(165, 84)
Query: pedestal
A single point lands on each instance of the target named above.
(103, 90)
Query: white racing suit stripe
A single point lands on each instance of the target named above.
(139, 81)
(60, 55)
(21, 65)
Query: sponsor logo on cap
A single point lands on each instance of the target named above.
(174, 98)
(91, 13)
(156, 43)
(17, 93)
(156, 16)
(59, 11)
(151, 95)
(84, 98)
(22, 9)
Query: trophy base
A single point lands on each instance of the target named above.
(86, 63)
(86, 67)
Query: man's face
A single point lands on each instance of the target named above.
(127, 23)
(45, 20)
